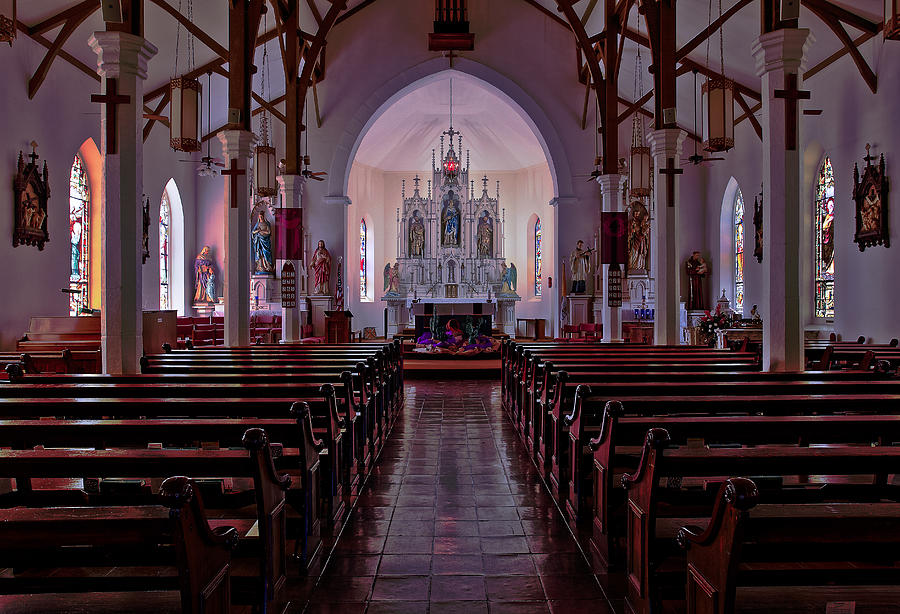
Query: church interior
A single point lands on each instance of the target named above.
(498, 306)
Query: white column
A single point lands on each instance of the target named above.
(779, 54)
(611, 191)
(122, 57)
(291, 187)
(236, 148)
(664, 259)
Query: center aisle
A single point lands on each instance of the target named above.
(456, 519)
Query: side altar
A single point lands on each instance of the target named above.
(451, 249)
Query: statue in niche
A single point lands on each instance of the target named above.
(416, 236)
(450, 220)
(580, 265)
(321, 266)
(638, 238)
(261, 241)
(508, 278)
(392, 278)
(485, 235)
(204, 277)
(696, 271)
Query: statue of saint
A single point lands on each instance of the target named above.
(638, 238)
(261, 241)
(580, 265)
(696, 271)
(321, 266)
(204, 277)
(416, 236)
(485, 236)
(392, 278)
(450, 214)
(508, 278)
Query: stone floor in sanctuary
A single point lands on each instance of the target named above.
(455, 519)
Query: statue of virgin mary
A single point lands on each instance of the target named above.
(450, 220)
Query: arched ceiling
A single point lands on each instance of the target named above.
(402, 138)
(692, 15)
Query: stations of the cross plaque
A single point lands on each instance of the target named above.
(112, 99)
(234, 172)
(670, 171)
(791, 96)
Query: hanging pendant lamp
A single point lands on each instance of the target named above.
(185, 97)
(265, 164)
(717, 97)
(640, 163)
(7, 21)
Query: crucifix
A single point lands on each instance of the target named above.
(869, 157)
(791, 96)
(111, 99)
(670, 171)
(233, 172)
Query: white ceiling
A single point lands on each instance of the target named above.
(497, 136)
(211, 16)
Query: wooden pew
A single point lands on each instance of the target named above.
(38, 538)
(81, 335)
(823, 552)
(648, 561)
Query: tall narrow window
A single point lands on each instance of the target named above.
(738, 252)
(538, 257)
(80, 237)
(824, 241)
(363, 264)
(165, 234)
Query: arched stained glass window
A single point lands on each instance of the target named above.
(738, 225)
(80, 237)
(165, 235)
(824, 241)
(538, 257)
(363, 264)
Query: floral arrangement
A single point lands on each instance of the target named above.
(713, 321)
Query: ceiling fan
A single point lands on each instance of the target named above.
(598, 161)
(207, 162)
(697, 158)
(316, 175)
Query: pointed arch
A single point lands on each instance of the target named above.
(176, 247)
(538, 238)
(823, 241)
(92, 163)
(80, 227)
(732, 220)
(737, 244)
(366, 260)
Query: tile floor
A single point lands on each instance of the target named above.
(455, 519)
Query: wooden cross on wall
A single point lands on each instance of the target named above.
(670, 171)
(791, 96)
(111, 99)
(234, 172)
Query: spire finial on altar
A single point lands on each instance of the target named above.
(403, 189)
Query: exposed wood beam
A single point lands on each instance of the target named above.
(71, 24)
(273, 102)
(269, 107)
(812, 72)
(646, 113)
(749, 114)
(708, 31)
(317, 46)
(587, 14)
(254, 113)
(841, 14)
(753, 110)
(315, 92)
(587, 99)
(634, 106)
(63, 16)
(835, 25)
(68, 57)
(356, 9)
(148, 127)
(549, 13)
(315, 11)
(191, 27)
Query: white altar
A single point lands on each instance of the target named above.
(451, 249)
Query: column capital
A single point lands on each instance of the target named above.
(342, 199)
(782, 50)
(291, 188)
(667, 142)
(121, 53)
(237, 143)
(563, 201)
(611, 183)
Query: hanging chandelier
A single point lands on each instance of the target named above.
(640, 164)
(265, 164)
(185, 96)
(717, 96)
(7, 21)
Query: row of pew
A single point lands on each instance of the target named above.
(703, 484)
(276, 440)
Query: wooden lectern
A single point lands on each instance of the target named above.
(337, 326)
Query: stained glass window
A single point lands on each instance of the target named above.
(363, 265)
(824, 241)
(80, 237)
(165, 233)
(538, 258)
(739, 252)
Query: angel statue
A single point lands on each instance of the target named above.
(508, 277)
(392, 278)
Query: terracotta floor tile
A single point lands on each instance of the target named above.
(571, 587)
(405, 564)
(458, 607)
(405, 544)
(400, 588)
(397, 607)
(457, 588)
(514, 588)
(509, 564)
(454, 564)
